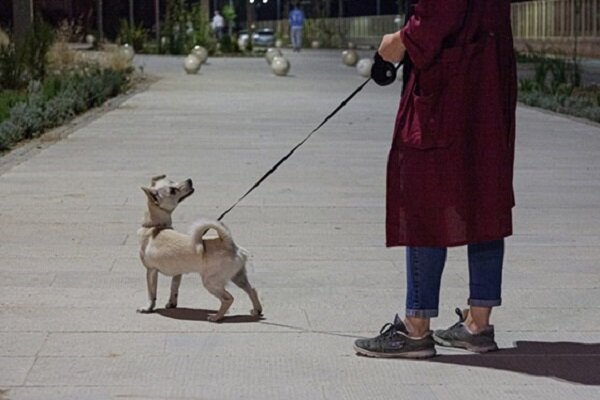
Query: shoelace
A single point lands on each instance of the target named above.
(461, 318)
(388, 330)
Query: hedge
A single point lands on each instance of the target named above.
(69, 96)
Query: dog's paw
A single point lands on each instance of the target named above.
(256, 313)
(147, 310)
(171, 305)
(214, 318)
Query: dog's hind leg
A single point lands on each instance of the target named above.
(152, 282)
(175, 282)
(226, 301)
(241, 280)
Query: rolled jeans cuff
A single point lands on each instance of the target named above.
(484, 303)
(422, 313)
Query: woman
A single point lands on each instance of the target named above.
(450, 167)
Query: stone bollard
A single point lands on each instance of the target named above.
(90, 39)
(271, 54)
(280, 66)
(364, 67)
(192, 64)
(201, 53)
(350, 57)
(315, 44)
(127, 50)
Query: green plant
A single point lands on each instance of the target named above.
(58, 100)
(186, 27)
(35, 49)
(11, 68)
(135, 35)
(229, 15)
(8, 99)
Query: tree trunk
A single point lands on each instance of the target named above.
(22, 18)
(100, 19)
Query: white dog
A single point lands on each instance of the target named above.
(164, 250)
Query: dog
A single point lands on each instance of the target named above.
(162, 249)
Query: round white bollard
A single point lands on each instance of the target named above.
(90, 39)
(201, 53)
(349, 57)
(400, 73)
(280, 66)
(242, 43)
(279, 43)
(351, 45)
(364, 67)
(271, 54)
(315, 44)
(191, 64)
(127, 50)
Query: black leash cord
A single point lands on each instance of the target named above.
(274, 168)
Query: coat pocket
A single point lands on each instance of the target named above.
(434, 109)
(418, 124)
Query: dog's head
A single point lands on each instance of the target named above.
(166, 194)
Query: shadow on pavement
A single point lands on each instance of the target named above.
(568, 361)
(191, 314)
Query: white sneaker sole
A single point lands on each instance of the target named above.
(467, 346)
(414, 355)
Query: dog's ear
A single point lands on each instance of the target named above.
(151, 194)
(157, 178)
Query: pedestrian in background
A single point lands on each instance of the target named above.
(296, 19)
(218, 24)
(450, 168)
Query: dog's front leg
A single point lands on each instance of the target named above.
(175, 282)
(152, 281)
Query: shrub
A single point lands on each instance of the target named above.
(11, 68)
(134, 35)
(35, 49)
(8, 99)
(59, 100)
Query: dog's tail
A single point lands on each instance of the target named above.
(200, 228)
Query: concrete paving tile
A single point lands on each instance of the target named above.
(514, 392)
(103, 344)
(23, 344)
(13, 370)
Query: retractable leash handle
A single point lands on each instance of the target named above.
(383, 73)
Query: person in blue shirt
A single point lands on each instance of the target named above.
(296, 25)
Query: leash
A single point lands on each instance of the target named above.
(288, 155)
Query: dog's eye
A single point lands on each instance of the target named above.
(172, 191)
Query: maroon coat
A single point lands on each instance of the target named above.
(450, 168)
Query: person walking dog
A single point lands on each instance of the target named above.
(450, 168)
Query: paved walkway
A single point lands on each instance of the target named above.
(70, 278)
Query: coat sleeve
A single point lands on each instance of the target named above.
(432, 22)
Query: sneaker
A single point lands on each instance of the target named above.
(393, 342)
(459, 336)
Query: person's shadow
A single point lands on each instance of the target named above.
(568, 361)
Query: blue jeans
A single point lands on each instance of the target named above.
(424, 267)
(296, 37)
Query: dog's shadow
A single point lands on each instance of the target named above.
(199, 314)
(566, 361)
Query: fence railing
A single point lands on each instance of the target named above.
(336, 31)
(556, 19)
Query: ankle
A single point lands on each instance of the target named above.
(475, 328)
(417, 327)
